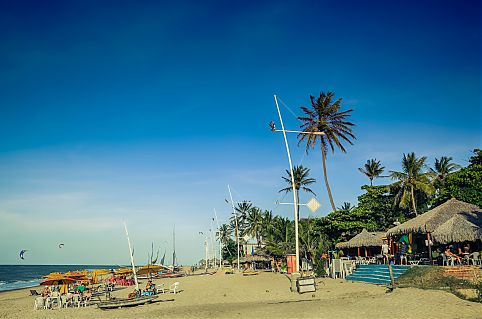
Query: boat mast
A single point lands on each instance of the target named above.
(132, 258)
(174, 247)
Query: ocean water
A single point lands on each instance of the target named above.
(23, 276)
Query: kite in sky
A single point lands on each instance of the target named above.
(22, 252)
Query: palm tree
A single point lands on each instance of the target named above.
(442, 168)
(242, 210)
(326, 124)
(224, 234)
(237, 222)
(253, 224)
(301, 178)
(346, 207)
(372, 169)
(412, 178)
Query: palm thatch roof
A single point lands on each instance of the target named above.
(431, 220)
(364, 239)
(341, 244)
(459, 228)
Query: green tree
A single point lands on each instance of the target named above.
(346, 206)
(267, 223)
(464, 184)
(326, 124)
(411, 179)
(300, 176)
(476, 159)
(229, 251)
(254, 222)
(442, 168)
(224, 234)
(372, 169)
(280, 241)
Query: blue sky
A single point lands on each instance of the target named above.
(145, 111)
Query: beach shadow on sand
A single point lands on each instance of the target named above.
(292, 301)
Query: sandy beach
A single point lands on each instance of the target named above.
(266, 295)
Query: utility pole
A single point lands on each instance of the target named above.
(297, 246)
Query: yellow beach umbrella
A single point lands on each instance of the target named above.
(148, 269)
(123, 271)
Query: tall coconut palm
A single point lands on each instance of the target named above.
(372, 169)
(443, 167)
(253, 224)
(242, 210)
(412, 178)
(326, 125)
(237, 222)
(301, 178)
(224, 234)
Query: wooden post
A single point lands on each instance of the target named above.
(366, 254)
(392, 279)
(358, 251)
(429, 244)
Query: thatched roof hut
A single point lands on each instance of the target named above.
(364, 239)
(431, 220)
(459, 228)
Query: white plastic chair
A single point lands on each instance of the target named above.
(174, 287)
(55, 298)
(475, 258)
(160, 288)
(77, 301)
(39, 303)
(337, 267)
(65, 302)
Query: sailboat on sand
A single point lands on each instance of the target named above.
(128, 302)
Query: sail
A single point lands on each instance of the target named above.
(163, 258)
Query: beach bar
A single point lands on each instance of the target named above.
(453, 227)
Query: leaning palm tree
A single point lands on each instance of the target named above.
(412, 178)
(443, 167)
(325, 124)
(301, 178)
(372, 169)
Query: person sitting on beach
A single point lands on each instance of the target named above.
(149, 286)
(132, 294)
(80, 288)
(46, 292)
(449, 253)
(86, 294)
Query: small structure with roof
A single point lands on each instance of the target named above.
(371, 242)
(451, 222)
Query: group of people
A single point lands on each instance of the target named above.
(149, 291)
(80, 292)
(458, 253)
